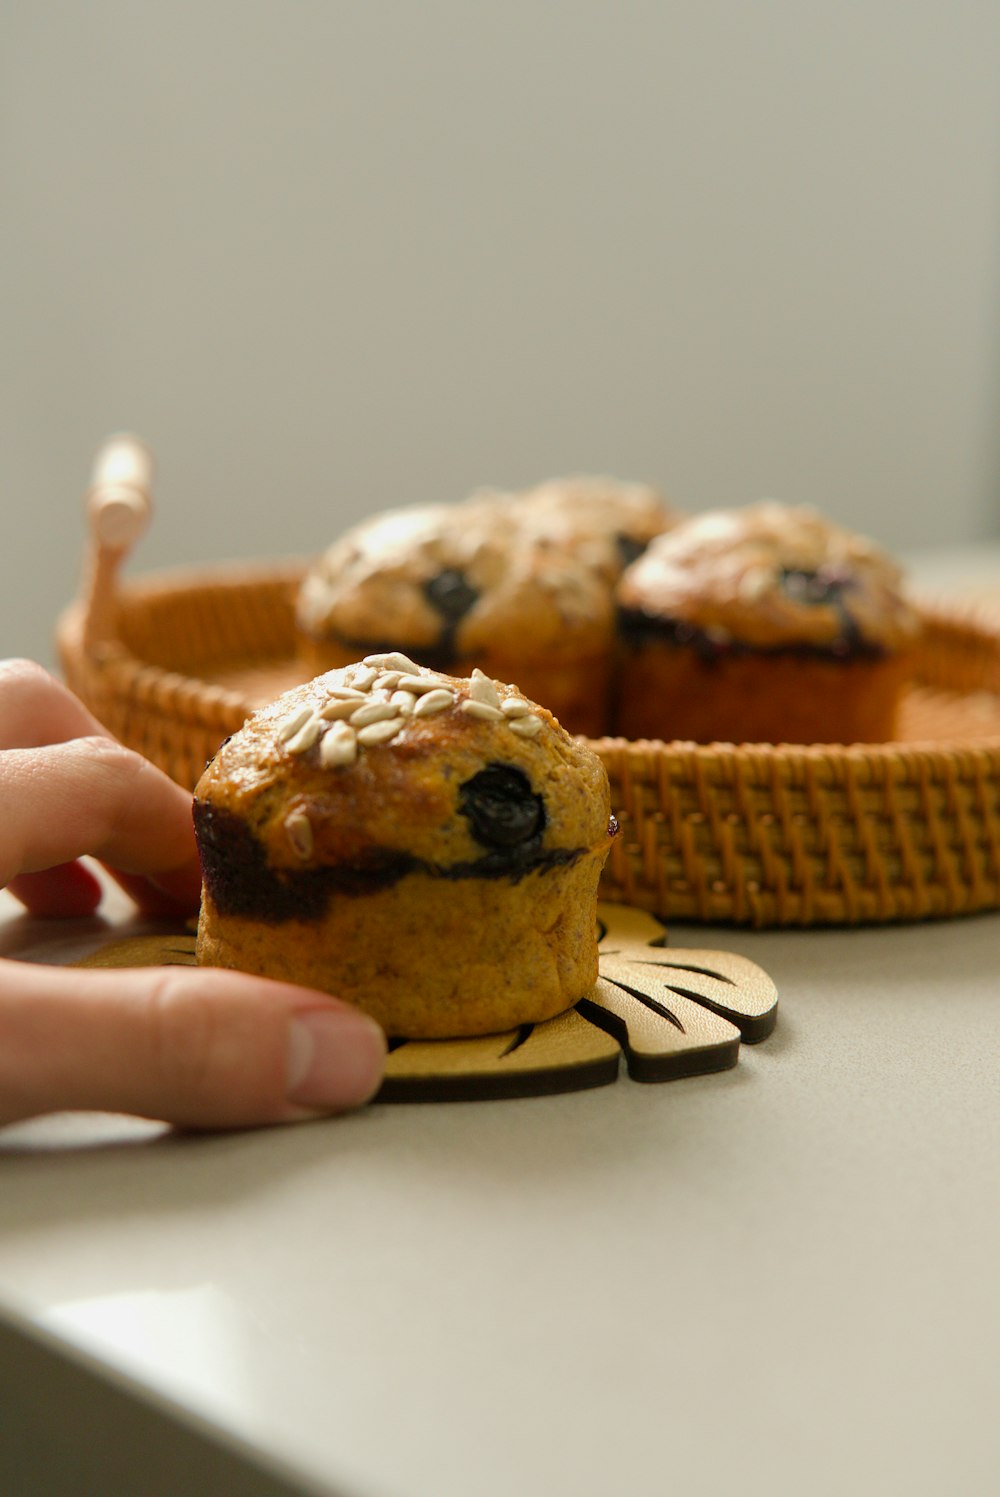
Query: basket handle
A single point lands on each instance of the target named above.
(119, 507)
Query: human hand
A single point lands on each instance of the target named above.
(200, 1048)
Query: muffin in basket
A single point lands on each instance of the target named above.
(762, 624)
(425, 846)
(464, 586)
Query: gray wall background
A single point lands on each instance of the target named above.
(330, 257)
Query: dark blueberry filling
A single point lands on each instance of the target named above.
(451, 594)
(502, 809)
(826, 588)
(638, 630)
(823, 588)
(512, 864)
(629, 549)
(240, 882)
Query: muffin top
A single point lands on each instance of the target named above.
(606, 522)
(770, 576)
(448, 580)
(383, 768)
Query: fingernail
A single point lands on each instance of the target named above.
(335, 1058)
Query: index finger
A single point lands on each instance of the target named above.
(37, 708)
(92, 795)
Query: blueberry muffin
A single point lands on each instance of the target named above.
(762, 624)
(425, 846)
(465, 586)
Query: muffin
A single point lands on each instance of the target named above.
(464, 586)
(762, 624)
(425, 846)
(606, 522)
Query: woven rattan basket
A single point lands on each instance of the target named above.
(760, 835)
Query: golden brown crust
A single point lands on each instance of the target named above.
(745, 575)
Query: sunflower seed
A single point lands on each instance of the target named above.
(380, 732)
(339, 747)
(474, 708)
(393, 661)
(372, 712)
(481, 689)
(292, 724)
(298, 829)
(515, 707)
(434, 702)
(333, 711)
(306, 736)
(526, 727)
(420, 684)
(363, 678)
(388, 681)
(403, 701)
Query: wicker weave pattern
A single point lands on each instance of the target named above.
(804, 836)
(761, 836)
(193, 620)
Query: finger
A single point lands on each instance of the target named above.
(37, 709)
(65, 892)
(92, 795)
(204, 1049)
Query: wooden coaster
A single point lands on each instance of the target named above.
(672, 1013)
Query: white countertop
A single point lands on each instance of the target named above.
(780, 1279)
(783, 1275)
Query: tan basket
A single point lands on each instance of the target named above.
(761, 835)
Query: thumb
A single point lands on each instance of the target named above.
(203, 1049)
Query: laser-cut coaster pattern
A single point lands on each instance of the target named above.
(670, 1012)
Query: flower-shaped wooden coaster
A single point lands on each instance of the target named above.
(670, 1012)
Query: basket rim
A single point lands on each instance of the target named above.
(973, 616)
